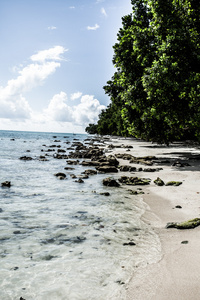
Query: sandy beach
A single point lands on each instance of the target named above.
(176, 275)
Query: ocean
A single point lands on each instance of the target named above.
(61, 239)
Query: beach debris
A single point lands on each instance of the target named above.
(184, 225)
(174, 183)
(159, 181)
(60, 175)
(21, 298)
(6, 184)
(110, 182)
(134, 180)
(184, 242)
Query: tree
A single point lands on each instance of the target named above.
(171, 83)
(155, 91)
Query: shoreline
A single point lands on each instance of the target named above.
(175, 275)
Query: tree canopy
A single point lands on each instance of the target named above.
(155, 90)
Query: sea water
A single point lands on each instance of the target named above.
(60, 239)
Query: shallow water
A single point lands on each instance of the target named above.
(60, 239)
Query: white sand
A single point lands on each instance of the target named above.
(176, 276)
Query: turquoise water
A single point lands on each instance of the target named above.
(60, 239)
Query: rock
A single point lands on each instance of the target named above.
(179, 164)
(185, 225)
(159, 182)
(136, 192)
(60, 175)
(61, 151)
(68, 168)
(105, 194)
(178, 206)
(6, 184)
(171, 225)
(60, 156)
(73, 176)
(25, 158)
(124, 156)
(111, 159)
(129, 244)
(110, 182)
(174, 183)
(134, 180)
(189, 224)
(184, 242)
(152, 169)
(107, 169)
(90, 163)
(79, 180)
(90, 172)
(126, 168)
(73, 162)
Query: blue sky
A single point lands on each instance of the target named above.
(55, 57)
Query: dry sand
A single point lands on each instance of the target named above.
(176, 275)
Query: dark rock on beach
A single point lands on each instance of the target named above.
(184, 225)
(174, 183)
(60, 175)
(159, 182)
(107, 169)
(126, 168)
(134, 180)
(129, 244)
(79, 180)
(110, 182)
(90, 172)
(25, 158)
(6, 184)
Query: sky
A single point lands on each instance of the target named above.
(55, 58)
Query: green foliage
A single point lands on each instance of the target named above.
(155, 91)
(91, 129)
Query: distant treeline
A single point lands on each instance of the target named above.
(155, 90)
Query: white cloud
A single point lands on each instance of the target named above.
(50, 54)
(52, 28)
(58, 110)
(103, 12)
(95, 27)
(12, 101)
(72, 7)
(87, 111)
(75, 96)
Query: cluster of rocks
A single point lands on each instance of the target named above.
(160, 182)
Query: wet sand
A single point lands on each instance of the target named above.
(176, 274)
